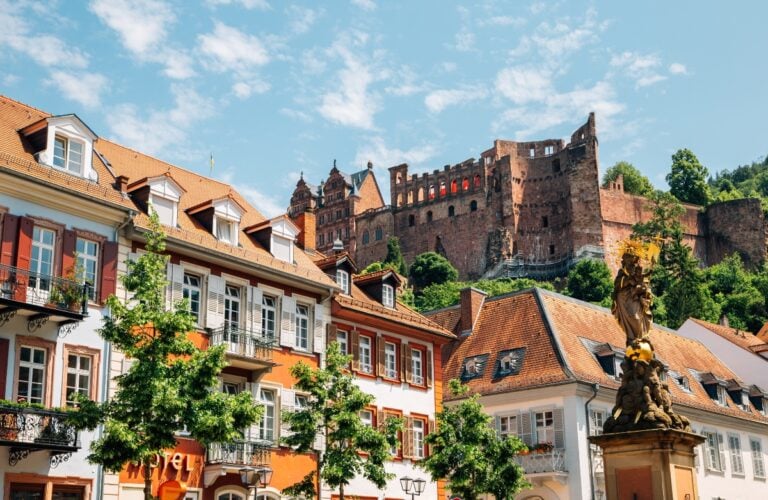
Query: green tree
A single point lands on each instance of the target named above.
(634, 181)
(395, 256)
(736, 291)
(590, 280)
(467, 453)
(168, 386)
(333, 410)
(446, 294)
(687, 178)
(430, 268)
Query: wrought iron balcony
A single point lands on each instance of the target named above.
(244, 344)
(42, 296)
(239, 453)
(26, 430)
(543, 463)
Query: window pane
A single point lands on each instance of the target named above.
(59, 152)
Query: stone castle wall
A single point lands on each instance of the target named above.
(736, 226)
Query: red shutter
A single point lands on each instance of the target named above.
(23, 254)
(8, 239)
(108, 284)
(68, 246)
(3, 364)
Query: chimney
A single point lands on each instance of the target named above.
(121, 183)
(307, 230)
(471, 302)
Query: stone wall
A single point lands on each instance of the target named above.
(736, 226)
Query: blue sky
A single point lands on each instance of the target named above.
(275, 88)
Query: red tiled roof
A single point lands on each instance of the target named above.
(362, 279)
(743, 339)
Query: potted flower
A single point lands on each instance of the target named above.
(545, 447)
(68, 292)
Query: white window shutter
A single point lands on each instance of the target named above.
(287, 402)
(721, 449)
(498, 425)
(255, 297)
(318, 341)
(559, 424)
(287, 321)
(175, 291)
(525, 429)
(215, 307)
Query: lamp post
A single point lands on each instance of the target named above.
(255, 477)
(412, 487)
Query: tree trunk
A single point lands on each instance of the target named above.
(148, 479)
(341, 492)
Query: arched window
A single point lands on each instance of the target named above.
(465, 184)
(442, 188)
(420, 196)
(411, 220)
(379, 233)
(454, 186)
(366, 237)
(398, 178)
(399, 199)
(431, 191)
(410, 197)
(230, 495)
(429, 216)
(473, 206)
(477, 180)
(451, 211)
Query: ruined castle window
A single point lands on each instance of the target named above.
(473, 206)
(431, 192)
(411, 220)
(420, 196)
(399, 202)
(545, 221)
(379, 233)
(398, 179)
(465, 184)
(366, 237)
(442, 188)
(551, 249)
(454, 186)
(549, 150)
(346, 212)
(339, 195)
(410, 197)
(451, 211)
(321, 240)
(429, 216)
(338, 234)
(556, 165)
(532, 152)
(338, 214)
(477, 180)
(322, 219)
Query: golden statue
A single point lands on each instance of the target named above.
(632, 290)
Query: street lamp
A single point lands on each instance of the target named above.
(255, 477)
(412, 487)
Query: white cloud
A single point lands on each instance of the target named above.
(160, 129)
(296, 114)
(46, 50)
(83, 88)
(248, 4)
(350, 102)
(438, 100)
(365, 4)
(641, 68)
(502, 21)
(406, 82)
(555, 41)
(302, 18)
(464, 40)
(229, 49)
(9, 80)
(523, 85)
(268, 205)
(143, 26)
(243, 90)
(678, 69)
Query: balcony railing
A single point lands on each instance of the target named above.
(239, 453)
(536, 463)
(43, 290)
(36, 429)
(243, 342)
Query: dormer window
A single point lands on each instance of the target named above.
(342, 279)
(277, 236)
(473, 367)
(166, 209)
(68, 154)
(225, 230)
(388, 295)
(509, 362)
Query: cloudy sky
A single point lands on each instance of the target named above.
(275, 88)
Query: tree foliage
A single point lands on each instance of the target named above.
(687, 178)
(168, 386)
(468, 454)
(738, 293)
(447, 294)
(634, 181)
(590, 280)
(431, 268)
(395, 256)
(333, 410)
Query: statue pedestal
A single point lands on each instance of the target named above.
(656, 464)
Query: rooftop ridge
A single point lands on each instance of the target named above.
(14, 101)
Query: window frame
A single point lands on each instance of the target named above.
(218, 222)
(83, 351)
(511, 429)
(395, 413)
(342, 279)
(371, 365)
(391, 370)
(268, 310)
(82, 258)
(758, 460)
(422, 361)
(301, 327)
(229, 300)
(42, 281)
(387, 295)
(268, 405)
(343, 345)
(547, 428)
(174, 208)
(67, 161)
(735, 453)
(187, 288)
(424, 420)
(713, 451)
(50, 348)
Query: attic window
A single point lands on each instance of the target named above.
(473, 367)
(509, 362)
(165, 208)
(226, 230)
(342, 279)
(760, 403)
(681, 380)
(740, 397)
(716, 392)
(388, 295)
(68, 154)
(609, 357)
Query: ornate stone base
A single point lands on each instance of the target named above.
(655, 464)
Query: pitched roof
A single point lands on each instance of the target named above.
(559, 334)
(114, 160)
(743, 339)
